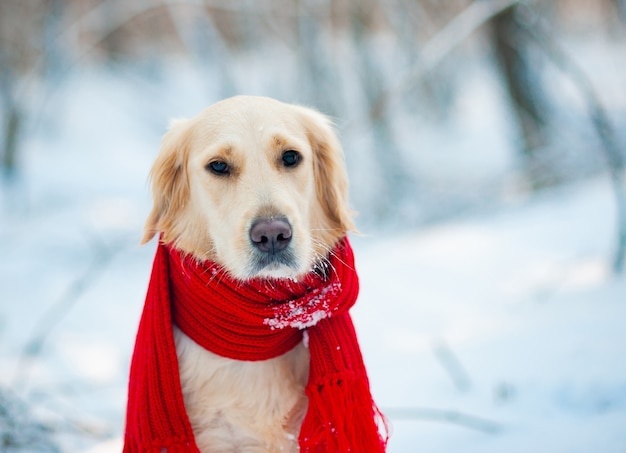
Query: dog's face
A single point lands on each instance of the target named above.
(254, 184)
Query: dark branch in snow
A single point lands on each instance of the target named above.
(18, 431)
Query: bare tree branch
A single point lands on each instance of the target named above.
(439, 47)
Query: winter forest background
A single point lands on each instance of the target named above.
(485, 141)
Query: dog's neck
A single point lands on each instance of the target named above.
(206, 300)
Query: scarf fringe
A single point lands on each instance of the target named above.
(342, 417)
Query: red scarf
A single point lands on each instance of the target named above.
(254, 320)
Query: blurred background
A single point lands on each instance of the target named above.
(447, 111)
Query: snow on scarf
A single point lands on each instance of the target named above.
(254, 320)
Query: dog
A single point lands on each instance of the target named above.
(259, 187)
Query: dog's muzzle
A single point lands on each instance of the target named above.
(271, 238)
(271, 235)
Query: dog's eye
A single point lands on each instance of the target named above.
(291, 158)
(218, 167)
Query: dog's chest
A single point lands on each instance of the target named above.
(236, 406)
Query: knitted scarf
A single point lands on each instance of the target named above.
(253, 320)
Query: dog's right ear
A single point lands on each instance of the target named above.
(170, 185)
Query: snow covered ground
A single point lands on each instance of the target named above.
(500, 333)
(504, 331)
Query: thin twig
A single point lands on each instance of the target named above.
(452, 365)
(445, 416)
(59, 309)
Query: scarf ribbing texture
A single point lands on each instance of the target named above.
(253, 320)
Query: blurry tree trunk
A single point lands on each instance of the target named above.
(620, 5)
(29, 52)
(395, 180)
(112, 43)
(204, 44)
(509, 46)
(320, 83)
(10, 134)
(614, 155)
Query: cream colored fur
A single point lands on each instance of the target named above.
(236, 406)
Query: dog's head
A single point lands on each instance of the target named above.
(254, 184)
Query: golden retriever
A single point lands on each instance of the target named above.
(246, 177)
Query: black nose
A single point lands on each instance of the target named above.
(271, 235)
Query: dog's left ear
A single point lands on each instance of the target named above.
(170, 185)
(331, 178)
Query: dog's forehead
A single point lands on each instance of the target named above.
(250, 118)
